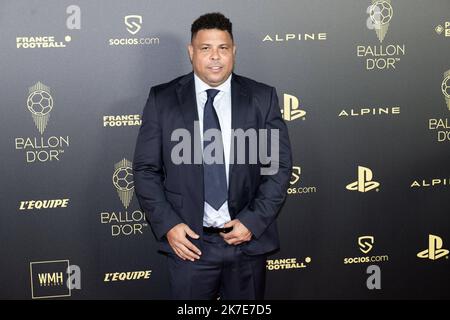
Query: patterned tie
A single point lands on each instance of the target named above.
(214, 176)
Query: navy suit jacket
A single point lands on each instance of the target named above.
(170, 193)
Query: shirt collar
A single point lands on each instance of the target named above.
(201, 86)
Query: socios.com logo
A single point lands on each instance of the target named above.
(294, 184)
(133, 23)
(366, 243)
(364, 182)
(295, 177)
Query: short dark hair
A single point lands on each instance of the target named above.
(214, 20)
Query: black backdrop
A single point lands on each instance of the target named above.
(364, 103)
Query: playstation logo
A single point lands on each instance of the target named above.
(366, 243)
(290, 110)
(434, 250)
(364, 182)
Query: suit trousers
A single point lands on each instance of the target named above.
(223, 271)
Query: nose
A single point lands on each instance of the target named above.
(215, 54)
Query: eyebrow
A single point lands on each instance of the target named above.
(209, 44)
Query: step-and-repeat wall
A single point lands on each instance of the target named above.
(364, 87)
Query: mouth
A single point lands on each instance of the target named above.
(215, 68)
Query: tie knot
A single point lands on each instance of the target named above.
(212, 93)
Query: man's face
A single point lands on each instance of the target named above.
(212, 55)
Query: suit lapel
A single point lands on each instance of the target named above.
(188, 107)
(187, 101)
(240, 101)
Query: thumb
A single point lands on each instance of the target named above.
(229, 224)
(191, 233)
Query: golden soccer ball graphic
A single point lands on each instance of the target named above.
(123, 179)
(40, 102)
(446, 87)
(381, 12)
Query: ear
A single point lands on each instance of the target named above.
(234, 49)
(190, 51)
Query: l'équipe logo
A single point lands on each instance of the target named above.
(127, 276)
(32, 205)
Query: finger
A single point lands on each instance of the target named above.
(229, 235)
(191, 247)
(246, 237)
(191, 233)
(230, 224)
(182, 255)
(179, 254)
(188, 253)
(223, 234)
(233, 241)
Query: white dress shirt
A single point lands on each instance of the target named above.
(222, 105)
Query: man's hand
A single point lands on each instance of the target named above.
(238, 235)
(180, 244)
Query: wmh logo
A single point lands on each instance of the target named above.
(54, 279)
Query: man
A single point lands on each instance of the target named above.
(215, 221)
